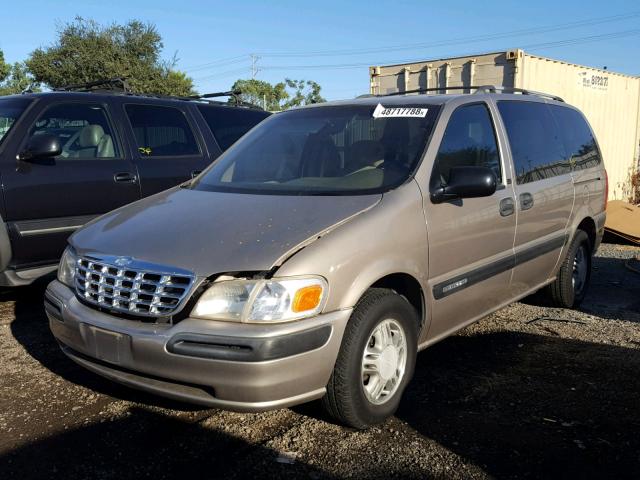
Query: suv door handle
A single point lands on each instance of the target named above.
(507, 207)
(124, 177)
(195, 173)
(526, 201)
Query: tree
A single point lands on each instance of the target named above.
(15, 78)
(19, 80)
(86, 51)
(300, 97)
(276, 97)
(261, 93)
(5, 68)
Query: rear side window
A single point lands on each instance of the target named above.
(536, 146)
(581, 148)
(161, 131)
(469, 140)
(83, 130)
(228, 124)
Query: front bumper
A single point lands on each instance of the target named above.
(243, 367)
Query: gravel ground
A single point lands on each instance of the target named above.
(528, 392)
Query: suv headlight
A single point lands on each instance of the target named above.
(67, 267)
(255, 301)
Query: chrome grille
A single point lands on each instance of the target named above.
(135, 288)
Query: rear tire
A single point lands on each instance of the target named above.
(376, 360)
(570, 286)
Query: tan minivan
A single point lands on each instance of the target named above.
(329, 245)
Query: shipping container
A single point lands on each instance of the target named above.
(610, 100)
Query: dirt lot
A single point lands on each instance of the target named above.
(527, 392)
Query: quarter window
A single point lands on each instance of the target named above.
(536, 147)
(469, 140)
(161, 131)
(83, 131)
(228, 124)
(581, 148)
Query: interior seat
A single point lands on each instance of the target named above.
(93, 143)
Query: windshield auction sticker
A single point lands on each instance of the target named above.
(388, 112)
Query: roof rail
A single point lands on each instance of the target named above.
(235, 94)
(478, 89)
(116, 83)
(119, 85)
(424, 90)
(523, 91)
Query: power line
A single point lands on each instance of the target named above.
(217, 63)
(559, 43)
(462, 40)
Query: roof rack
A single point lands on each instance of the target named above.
(523, 91)
(478, 89)
(116, 83)
(119, 85)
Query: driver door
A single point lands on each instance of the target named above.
(470, 239)
(48, 198)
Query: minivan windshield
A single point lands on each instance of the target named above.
(327, 150)
(10, 111)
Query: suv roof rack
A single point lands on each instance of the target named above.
(120, 86)
(478, 89)
(108, 84)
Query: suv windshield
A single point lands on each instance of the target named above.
(332, 150)
(10, 111)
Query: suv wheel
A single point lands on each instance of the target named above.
(375, 362)
(570, 286)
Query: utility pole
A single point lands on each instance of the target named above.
(254, 67)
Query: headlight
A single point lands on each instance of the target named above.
(275, 300)
(67, 267)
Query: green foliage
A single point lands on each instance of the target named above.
(14, 78)
(18, 80)
(300, 96)
(5, 68)
(86, 51)
(261, 93)
(276, 97)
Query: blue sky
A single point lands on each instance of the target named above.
(333, 42)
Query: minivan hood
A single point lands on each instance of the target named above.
(213, 232)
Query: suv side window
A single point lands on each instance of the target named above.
(228, 124)
(536, 146)
(469, 140)
(582, 151)
(161, 131)
(83, 130)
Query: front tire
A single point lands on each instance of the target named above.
(570, 286)
(376, 360)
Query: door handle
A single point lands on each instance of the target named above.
(124, 177)
(195, 173)
(526, 201)
(507, 207)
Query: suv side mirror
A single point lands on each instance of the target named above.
(44, 145)
(466, 182)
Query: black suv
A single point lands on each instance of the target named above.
(68, 156)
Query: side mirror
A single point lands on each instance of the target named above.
(44, 145)
(466, 182)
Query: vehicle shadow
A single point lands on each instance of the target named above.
(613, 292)
(527, 405)
(151, 445)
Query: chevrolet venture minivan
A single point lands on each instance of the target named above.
(329, 245)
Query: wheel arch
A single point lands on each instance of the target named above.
(409, 287)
